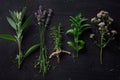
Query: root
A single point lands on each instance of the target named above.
(57, 54)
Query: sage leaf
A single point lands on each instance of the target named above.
(12, 23)
(23, 12)
(25, 24)
(7, 37)
(31, 49)
(13, 15)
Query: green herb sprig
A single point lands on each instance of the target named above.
(79, 25)
(19, 26)
(103, 20)
(57, 37)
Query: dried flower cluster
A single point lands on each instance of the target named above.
(103, 20)
(43, 18)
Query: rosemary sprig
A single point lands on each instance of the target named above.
(19, 26)
(103, 20)
(57, 37)
(43, 18)
(79, 26)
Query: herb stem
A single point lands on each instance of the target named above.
(101, 45)
(101, 49)
(19, 52)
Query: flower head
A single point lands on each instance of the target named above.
(93, 19)
(114, 32)
(110, 19)
(99, 15)
(43, 16)
(102, 13)
(101, 24)
(92, 36)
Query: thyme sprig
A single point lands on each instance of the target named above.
(57, 37)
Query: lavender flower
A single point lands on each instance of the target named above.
(43, 18)
(48, 17)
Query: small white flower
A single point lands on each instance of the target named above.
(106, 27)
(102, 13)
(98, 20)
(101, 24)
(99, 28)
(92, 36)
(105, 12)
(108, 33)
(114, 31)
(93, 19)
(110, 19)
(99, 15)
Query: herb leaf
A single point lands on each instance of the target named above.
(7, 37)
(79, 25)
(31, 49)
(12, 23)
(82, 44)
(26, 23)
(70, 31)
(70, 43)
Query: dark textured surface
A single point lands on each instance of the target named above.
(87, 67)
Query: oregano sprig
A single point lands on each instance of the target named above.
(16, 23)
(79, 25)
(103, 20)
(57, 37)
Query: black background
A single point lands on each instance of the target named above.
(87, 67)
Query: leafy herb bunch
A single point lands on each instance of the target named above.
(18, 25)
(103, 20)
(57, 37)
(79, 26)
(43, 18)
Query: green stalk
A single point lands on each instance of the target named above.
(42, 60)
(76, 44)
(101, 49)
(19, 54)
(101, 46)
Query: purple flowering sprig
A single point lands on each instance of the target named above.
(103, 20)
(43, 19)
